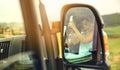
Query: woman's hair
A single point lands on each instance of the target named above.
(86, 21)
(83, 21)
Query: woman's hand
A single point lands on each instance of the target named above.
(72, 25)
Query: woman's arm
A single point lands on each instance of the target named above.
(84, 39)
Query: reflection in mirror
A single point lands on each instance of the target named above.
(78, 33)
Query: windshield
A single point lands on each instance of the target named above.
(14, 52)
(11, 22)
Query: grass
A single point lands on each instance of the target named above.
(113, 31)
(114, 46)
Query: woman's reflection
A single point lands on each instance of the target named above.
(81, 37)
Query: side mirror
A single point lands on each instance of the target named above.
(82, 39)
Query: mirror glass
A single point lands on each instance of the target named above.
(78, 34)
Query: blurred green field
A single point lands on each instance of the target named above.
(114, 46)
(113, 31)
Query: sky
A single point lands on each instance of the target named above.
(103, 6)
(10, 10)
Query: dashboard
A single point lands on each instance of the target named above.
(14, 54)
(11, 46)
